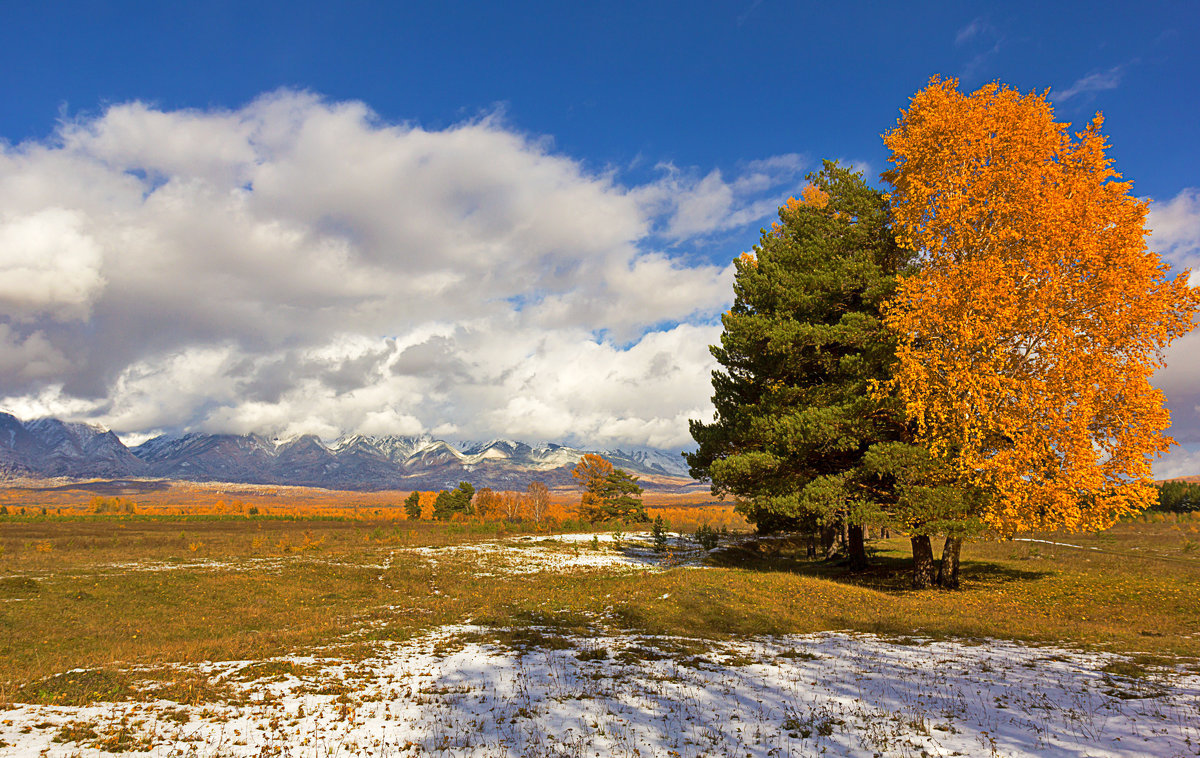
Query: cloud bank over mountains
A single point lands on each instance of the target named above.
(300, 266)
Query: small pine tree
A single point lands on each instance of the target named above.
(660, 535)
(450, 502)
(608, 493)
(707, 536)
(412, 506)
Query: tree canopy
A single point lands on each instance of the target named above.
(455, 501)
(608, 493)
(1028, 335)
(801, 349)
(412, 505)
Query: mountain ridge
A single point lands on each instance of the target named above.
(51, 447)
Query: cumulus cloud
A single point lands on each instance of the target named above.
(29, 358)
(1180, 462)
(48, 266)
(1175, 235)
(1175, 227)
(300, 265)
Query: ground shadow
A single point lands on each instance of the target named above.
(886, 573)
(111, 486)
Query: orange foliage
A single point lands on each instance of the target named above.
(683, 511)
(1028, 337)
(813, 196)
(187, 498)
(591, 472)
(486, 502)
(426, 501)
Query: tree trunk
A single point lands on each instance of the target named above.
(828, 541)
(948, 571)
(922, 562)
(857, 549)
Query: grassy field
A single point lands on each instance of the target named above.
(188, 628)
(107, 592)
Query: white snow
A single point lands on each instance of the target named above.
(565, 553)
(1058, 544)
(463, 691)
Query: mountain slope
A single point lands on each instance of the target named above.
(50, 447)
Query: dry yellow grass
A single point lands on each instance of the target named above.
(682, 511)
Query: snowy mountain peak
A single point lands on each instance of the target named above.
(355, 461)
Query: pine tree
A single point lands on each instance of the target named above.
(450, 502)
(802, 348)
(412, 505)
(608, 493)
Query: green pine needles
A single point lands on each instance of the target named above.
(801, 437)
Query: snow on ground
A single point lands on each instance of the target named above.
(531, 554)
(564, 553)
(472, 691)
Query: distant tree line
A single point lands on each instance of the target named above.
(1178, 497)
(464, 501)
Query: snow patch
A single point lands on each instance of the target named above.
(477, 691)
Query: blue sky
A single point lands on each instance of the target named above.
(529, 209)
(699, 84)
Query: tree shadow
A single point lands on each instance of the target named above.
(886, 573)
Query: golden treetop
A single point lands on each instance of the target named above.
(1028, 337)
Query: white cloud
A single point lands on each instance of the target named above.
(29, 358)
(982, 38)
(48, 266)
(1175, 227)
(1094, 82)
(693, 205)
(298, 265)
(970, 31)
(1175, 235)
(1180, 462)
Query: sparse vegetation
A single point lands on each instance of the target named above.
(122, 609)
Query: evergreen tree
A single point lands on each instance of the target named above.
(622, 497)
(450, 502)
(802, 349)
(659, 532)
(412, 505)
(1178, 496)
(608, 493)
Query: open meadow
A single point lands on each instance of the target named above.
(357, 632)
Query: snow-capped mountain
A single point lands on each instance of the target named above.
(49, 447)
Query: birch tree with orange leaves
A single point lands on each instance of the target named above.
(1029, 334)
